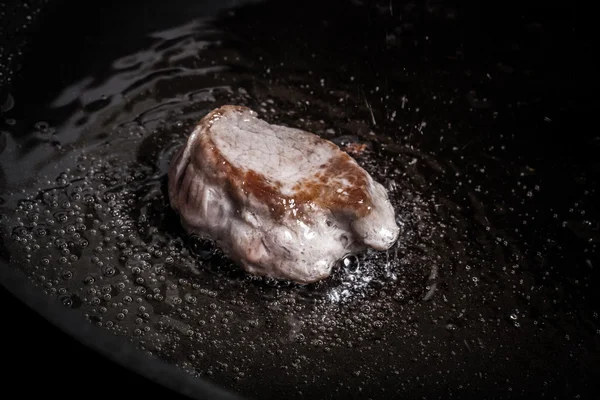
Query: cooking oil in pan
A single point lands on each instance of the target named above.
(96, 231)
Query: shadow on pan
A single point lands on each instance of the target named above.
(460, 121)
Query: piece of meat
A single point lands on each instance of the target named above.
(279, 201)
(355, 149)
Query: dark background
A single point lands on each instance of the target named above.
(42, 361)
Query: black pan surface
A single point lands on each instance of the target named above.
(469, 119)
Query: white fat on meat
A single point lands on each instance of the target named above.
(278, 201)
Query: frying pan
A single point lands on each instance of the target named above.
(466, 114)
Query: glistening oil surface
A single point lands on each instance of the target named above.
(489, 289)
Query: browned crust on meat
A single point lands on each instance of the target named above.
(355, 149)
(324, 190)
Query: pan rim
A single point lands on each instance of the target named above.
(106, 344)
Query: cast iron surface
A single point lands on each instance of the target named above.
(468, 118)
